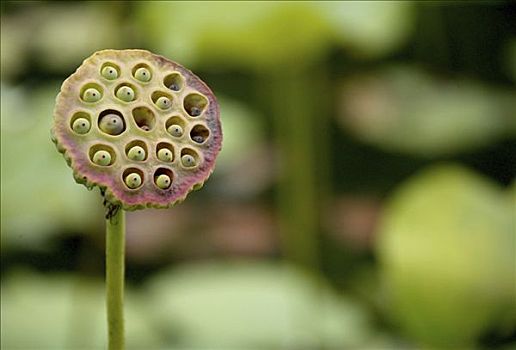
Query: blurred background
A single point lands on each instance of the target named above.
(364, 198)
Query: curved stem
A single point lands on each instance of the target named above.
(115, 266)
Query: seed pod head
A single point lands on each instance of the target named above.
(139, 126)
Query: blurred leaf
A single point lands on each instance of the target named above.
(446, 246)
(14, 45)
(58, 36)
(39, 195)
(257, 35)
(64, 312)
(253, 305)
(66, 34)
(370, 29)
(406, 109)
(242, 131)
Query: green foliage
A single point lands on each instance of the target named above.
(245, 305)
(65, 312)
(406, 109)
(32, 209)
(447, 252)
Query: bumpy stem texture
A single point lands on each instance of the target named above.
(115, 267)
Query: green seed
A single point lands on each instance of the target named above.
(165, 155)
(136, 153)
(188, 160)
(163, 102)
(102, 158)
(163, 181)
(142, 74)
(91, 95)
(133, 180)
(175, 130)
(109, 72)
(81, 125)
(125, 93)
(112, 124)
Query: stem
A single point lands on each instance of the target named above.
(296, 125)
(115, 266)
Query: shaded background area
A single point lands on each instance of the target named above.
(364, 197)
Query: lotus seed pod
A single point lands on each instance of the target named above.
(109, 72)
(163, 181)
(165, 155)
(133, 180)
(163, 102)
(102, 158)
(81, 126)
(104, 152)
(188, 160)
(175, 130)
(136, 153)
(125, 93)
(91, 95)
(142, 74)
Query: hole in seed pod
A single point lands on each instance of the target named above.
(91, 92)
(189, 158)
(132, 178)
(175, 126)
(199, 133)
(126, 92)
(102, 155)
(110, 71)
(162, 100)
(80, 122)
(174, 81)
(111, 122)
(163, 178)
(195, 104)
(165, 152)
(144, 118)
(136, 150)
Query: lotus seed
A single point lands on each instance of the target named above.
(136, 153)
(163, 102)
(188, 160)
(109, 72)
(133, 180)
(142, 74)
(195, 111)
(174, 87)
(102, 158)
(165, 155)
(91, 95)
(112, 124)
(175, 130)
(81, 125)
(125, 93)
(198, 138)
(163, 181)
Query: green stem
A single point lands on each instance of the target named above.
(296, 125)
(115, 266)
